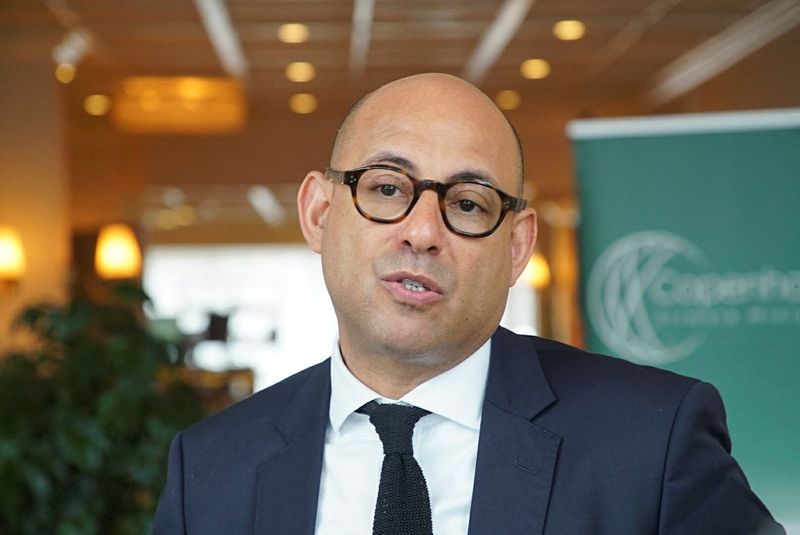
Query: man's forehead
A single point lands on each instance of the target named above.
(427, 136)
(440, 110)
(437, 97)
(406, 112)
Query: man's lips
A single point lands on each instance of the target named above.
(402, 277)
(412, 289)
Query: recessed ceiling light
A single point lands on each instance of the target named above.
(535, 69)
(293, 33)
(65, 72)
(569, 30)
(97, 104)
(300, 71)
(508, 99)
(303, 103)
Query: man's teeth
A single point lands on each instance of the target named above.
(413, 285)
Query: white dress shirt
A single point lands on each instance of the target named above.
(445, 445)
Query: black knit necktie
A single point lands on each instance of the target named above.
(403, 506)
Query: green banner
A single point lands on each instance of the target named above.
(690, 260)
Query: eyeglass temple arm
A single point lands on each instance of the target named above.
(517, 204)
(334, 176)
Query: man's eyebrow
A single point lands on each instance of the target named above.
(409, 167)
(390, 157)
(473, 174)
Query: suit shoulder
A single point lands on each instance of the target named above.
(257, 410)
(557, 355)
(569, 368)
(603, 400)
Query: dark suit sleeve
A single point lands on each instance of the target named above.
(169, 519)
(705, 491)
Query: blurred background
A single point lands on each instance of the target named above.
(194, 122)
(161, 143)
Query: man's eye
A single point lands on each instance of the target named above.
(466, 205)
(387, 189)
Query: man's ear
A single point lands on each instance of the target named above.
(523, 238)
(313, 203)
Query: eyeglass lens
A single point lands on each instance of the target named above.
(469, 207)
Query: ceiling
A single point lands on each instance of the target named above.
(637, 56)
(631, 47)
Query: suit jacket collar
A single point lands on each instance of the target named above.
(516, 381)
(287, 483)
(516, 457)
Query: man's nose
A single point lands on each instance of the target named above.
(424, 229)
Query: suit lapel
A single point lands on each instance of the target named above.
(516, 458)
(287, 484)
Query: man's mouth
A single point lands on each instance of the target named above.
(414, 286)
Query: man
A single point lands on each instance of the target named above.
(421, 233)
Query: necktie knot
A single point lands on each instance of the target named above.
(394, 424)
(403, 506)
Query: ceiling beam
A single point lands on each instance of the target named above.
(631, 33)
(223, 36)
(724, 50)
(360, 35)
(79, 40)
(266, 205)
(63, 13)
(496, 38)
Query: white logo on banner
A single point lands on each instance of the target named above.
(618, 284)
(650, 298)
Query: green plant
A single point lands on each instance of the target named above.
(84, 423)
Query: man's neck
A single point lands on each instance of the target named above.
(391, 382)
(394, 377)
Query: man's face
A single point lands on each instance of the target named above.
(414, 290)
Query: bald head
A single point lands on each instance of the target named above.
(441, 95)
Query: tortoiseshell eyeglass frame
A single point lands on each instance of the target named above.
(350, 178)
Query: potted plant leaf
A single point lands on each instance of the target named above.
(85, 424)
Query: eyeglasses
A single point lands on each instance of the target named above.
(387, 194)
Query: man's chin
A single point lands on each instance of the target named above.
(415, 346)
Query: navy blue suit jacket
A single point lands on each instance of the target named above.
(570, 443)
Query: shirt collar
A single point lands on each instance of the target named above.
(456, 394)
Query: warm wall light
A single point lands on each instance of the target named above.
(293, 33)
(12, 257)
(569, 30)
(537, 272)
(535, 69)
(117, 255)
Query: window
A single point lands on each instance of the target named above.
(270, 308)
